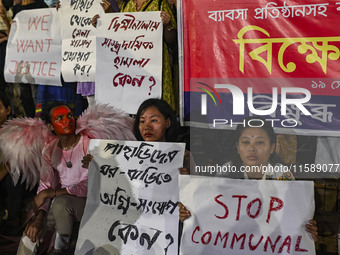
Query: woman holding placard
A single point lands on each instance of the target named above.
(255, 158)
(155, 121)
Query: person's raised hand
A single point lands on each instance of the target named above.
(312, 229)
(184, 213)
(86, 160)
(166, 18)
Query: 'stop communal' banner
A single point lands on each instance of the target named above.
(267, 217)
(276, 59)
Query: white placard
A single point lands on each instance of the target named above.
(132, 199)
(79, 39)
(34, 48)
(246, 217)
(129, 57)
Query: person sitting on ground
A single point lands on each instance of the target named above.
(65, 182)
(54, 161)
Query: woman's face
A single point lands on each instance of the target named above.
(153, 125)
(4, 112)
(254, 147)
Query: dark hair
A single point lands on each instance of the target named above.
(7, 4)
(255, 121)
(4, 99)
(46, 114)
(165, 109)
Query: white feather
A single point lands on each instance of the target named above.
(21, 143)
(102, 121)
(22, 139)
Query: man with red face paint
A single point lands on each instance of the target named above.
(65, 183)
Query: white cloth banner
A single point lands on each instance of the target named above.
(78, 39)
(327, 155)
(132, 199)
(34, 48)
(129, 57)
(243, 217)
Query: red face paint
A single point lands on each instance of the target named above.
(63, 120)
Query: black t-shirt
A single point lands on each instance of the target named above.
(36, 5)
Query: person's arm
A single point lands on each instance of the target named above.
(34, 228)
(95, 20)
(184, 213)
(312, 228)
(106, 6)
(184, 170)
(40, 198)
(48, 183)
(86, 160)
(188, 162)
(169, 23)
(169, 30)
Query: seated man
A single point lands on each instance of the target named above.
(63, 183)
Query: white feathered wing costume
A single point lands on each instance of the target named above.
(23, 139)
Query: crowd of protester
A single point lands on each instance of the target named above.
(31, 100)
(154, 121)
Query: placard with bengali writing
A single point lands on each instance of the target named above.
(132, 198)
(280, 57)
(129, 57)
(79, 39)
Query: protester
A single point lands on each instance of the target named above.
(67, 189)
(155, 121)
(62, 180)
(255, 149)
(12, 195)
(26, 92)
